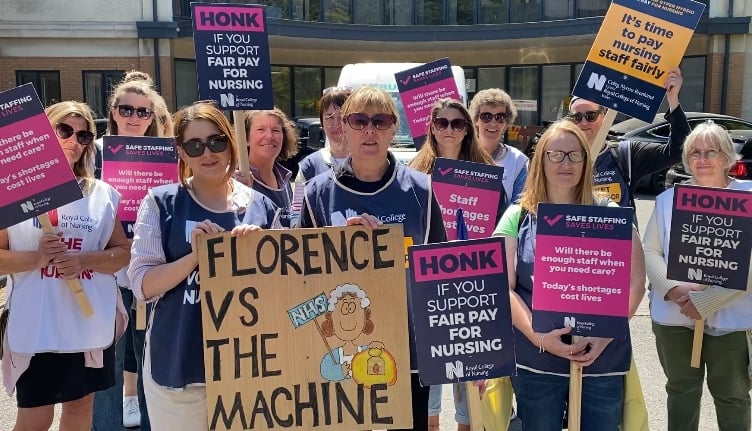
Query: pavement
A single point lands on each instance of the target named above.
(643, 341)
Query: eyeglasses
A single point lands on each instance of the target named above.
(128, 111)
(359, 121)
(457, 124)
(215, 144)
(707, 155)
(335, 115)
(558, 156)
(64, 131)
(486, 117)
(590, 116)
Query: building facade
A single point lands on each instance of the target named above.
(534, 49)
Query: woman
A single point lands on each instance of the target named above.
(164, 265)
(56, 354)
(451, 135)
(271, 138)
(133, 112)
(561, 173)
(336, 149)
(493, 110)
(675, 306)
(371, 186)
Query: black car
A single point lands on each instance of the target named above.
(741, 169)
(311, 138)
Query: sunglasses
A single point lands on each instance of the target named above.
(215, 144)
(458, 124)
(486, 117)
(359, 121)
(559, 156)
(590, 116)
(64, 131)
(128, 111)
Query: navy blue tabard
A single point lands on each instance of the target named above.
(608, 178)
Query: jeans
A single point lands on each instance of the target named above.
(461, 414)
(108, 405)
(726, 359)
(542, 398)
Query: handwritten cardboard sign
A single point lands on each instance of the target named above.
(306, 329)
(583, 257)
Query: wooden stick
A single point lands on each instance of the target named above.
(239, 120)
(474, 406)
(600, 139)
(75, 284)
(575, 393)
(140, 315)
(697, 343)
(326, 343)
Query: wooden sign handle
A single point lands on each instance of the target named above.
(697, 343)
(240, 135)
(575, 393)
(474, 406)
(600, 139)
(73, 284)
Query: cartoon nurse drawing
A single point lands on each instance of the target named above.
(348, 317)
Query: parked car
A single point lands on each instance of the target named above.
(311, 138)
(742, 169)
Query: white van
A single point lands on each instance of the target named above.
(381, 75)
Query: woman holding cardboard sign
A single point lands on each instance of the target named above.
(164, 267)
(560, 173)
(675, 306)
(52, 352)
(372, 188)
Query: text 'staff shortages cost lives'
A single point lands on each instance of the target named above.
(461, 312)
(583, 256)
(637, 44)
(35, 176)
(711, 236)
(232, 55)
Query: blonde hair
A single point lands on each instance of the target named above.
(363, 98)
(494, 97)
(164, 118)
(56, 114)
(536, 189)
(470, 149)
(712, 133)
(135, 82)
(206, 111)
(289, 131)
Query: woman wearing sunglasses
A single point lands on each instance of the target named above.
(133, 105)
(560, 173)
(164, 268)
(371, 188)
(451, 135)
(271, 138)
(619, 167)
(493, 110)
(53, 353)
(675, 306)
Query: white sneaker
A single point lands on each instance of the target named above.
(131, 412)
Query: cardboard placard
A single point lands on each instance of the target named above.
(233, 66)
(306, 329)
(474, 187)
(133, 165)
(461, 311)
(583, 257)
(637, 44)
(35, 176)
(711, 236)
(419, 88)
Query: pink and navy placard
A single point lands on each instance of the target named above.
(461, 312)
(711, 236)
(133, 165)
(35, 176)
(232, 55)
(583, 260)
(419, 88)
(476, 188)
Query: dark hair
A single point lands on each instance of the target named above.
(335, 97)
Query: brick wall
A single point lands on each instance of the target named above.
(714, 81)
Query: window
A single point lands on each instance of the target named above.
(693, 87)
(277, 9)
(587, 8)
(98, 86)
(493, 12)
(523, 87)
(281, 85)
(305, 10)
(367, 12)
(331, 76)
(461, 12)
(186, 85)
(526, 10)
(555, 88)
(307, 91)
(46, 84)
(337, 11)
(491, 77)
(558, 9)
(429, 12)
(399, 12)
